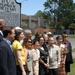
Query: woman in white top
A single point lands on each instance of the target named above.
(36, 56)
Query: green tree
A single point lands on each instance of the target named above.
(66, 12)
(39, 13)
(62, 11)
(47, 17)
(72, 26)
(51, 6)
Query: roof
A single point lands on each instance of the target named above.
(25, 17)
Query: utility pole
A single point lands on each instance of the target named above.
(21, 1)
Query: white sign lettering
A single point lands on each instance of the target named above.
(10, 10)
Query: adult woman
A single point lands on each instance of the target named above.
(63, 55)
(69, 58)
(36, 56)
(19, 53)
(27, 45)
(43, 65)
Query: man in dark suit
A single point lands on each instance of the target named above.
(7, 60)
(1, 36)
(2, 24)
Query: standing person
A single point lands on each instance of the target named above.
(46, 39)
(43, 61)
(19, 53)
(2, 24)
(69, 59)
(45, 46)
(63, 51)
(36, 56)
(28, 34)
(27, 45)
(50, 34)
(7, 60)
(19, 28)
(54, 57)
(38, 35)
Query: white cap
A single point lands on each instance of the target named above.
(49, 33)
(18, 28)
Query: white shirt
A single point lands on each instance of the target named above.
(1, 32)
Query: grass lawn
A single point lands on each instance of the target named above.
(72, 69)
(71, 36)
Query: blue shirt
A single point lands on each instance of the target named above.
(9, 42)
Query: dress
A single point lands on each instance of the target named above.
(43, 55)
(36, 56)
(63, 57)
(29, 61)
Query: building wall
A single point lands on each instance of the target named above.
(31, 21)
(42, 30)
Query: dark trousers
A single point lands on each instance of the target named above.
(53, 71)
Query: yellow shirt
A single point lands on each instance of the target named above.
(17, 46)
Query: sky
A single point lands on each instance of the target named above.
(30, 7)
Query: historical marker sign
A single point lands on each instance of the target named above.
(10, 10)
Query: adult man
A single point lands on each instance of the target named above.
(28, 33)
(2, 24)
(50, 34)
(7, 61)
(69, 59)
(46, 38)
(54, 57)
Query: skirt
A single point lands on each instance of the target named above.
(61, 70)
